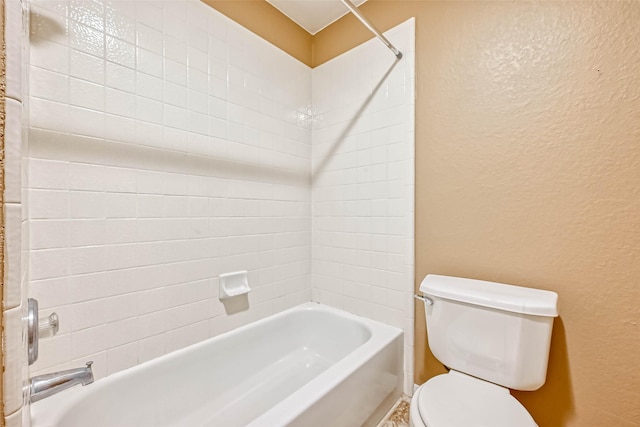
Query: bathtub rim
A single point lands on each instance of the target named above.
(314, 390)
(49, 412)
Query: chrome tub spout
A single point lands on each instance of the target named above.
(49, 384)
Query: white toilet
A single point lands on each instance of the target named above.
(492, 337)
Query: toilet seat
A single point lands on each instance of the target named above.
(459, 400)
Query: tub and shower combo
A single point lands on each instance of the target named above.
(311, 365)
(308, 366)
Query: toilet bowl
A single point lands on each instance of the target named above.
(493, 337)
(459, 400)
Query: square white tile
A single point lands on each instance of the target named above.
(13, 151)
(14, 38)
(13, 253)
(14, 360)
(14, 420)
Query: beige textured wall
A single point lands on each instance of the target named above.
(528, 172)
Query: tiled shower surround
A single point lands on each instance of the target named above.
(166, 149)
(363, 184)
(168, 145)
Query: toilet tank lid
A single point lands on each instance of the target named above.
(500, 296)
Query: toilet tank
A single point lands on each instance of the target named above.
(496, 332)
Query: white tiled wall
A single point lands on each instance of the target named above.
(167, 147)
(363, 184)
(14, 280)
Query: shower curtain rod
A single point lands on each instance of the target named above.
(371, 28)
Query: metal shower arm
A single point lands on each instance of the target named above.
(371, 28)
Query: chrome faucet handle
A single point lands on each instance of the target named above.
(32, 330)
(37, 328)
(49, 326)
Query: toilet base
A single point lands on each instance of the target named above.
(414, 413)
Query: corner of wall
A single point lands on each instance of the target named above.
(13, 295)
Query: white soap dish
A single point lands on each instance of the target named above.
(233, 284)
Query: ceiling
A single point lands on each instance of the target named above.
(313, 15)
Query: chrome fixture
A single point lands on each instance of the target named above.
(49, 384)
(371, 28)
(37, 329)
(424, 299)
(48, 326)
(32, 330)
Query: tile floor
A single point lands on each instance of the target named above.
(398, 416)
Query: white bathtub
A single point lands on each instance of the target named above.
(308, 366)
